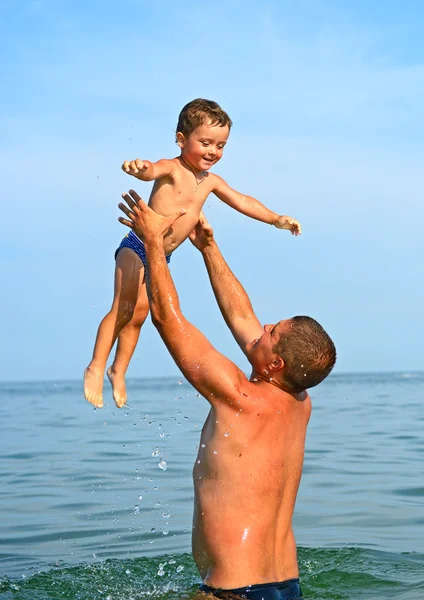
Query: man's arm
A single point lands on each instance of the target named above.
(232, 298)
(209, 371)
(148, 171)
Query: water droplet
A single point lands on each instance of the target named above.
(128, 572)
(140, 497)
(166, 515)
(161, 572)
(203, 445)
(215, 451)
(172, 561)
(179, 568)
(136, 509)
(162, 465)
(156, 452)
(180, 382)
(165, 532)
(153, 530)
(226, 434)
(157, 504)
(162, 434)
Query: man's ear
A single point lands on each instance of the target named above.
(277, 364)
(180, 139)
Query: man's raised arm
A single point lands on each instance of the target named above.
(210, 372)
(232, 298)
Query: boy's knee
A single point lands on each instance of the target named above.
(140, 314)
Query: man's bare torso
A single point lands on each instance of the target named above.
(246, 478)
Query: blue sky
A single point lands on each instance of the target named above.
(326, 101)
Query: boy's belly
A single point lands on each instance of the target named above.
(181, 228)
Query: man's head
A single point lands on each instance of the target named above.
(202, 132)
(297, 352)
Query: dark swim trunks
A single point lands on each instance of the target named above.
(133, 242)
(284, 590)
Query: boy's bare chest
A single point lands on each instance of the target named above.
(185, 193)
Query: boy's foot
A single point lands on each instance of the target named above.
(93, 387)
(119, 389)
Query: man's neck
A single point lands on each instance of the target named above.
(276, 382)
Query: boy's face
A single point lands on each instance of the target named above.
(204, 147)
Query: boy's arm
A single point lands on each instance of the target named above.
(251, 207)
(232, 298)
(148, 171)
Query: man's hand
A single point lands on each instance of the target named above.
(285, 222)
(143, 220)
(202, 234)
(136, 167)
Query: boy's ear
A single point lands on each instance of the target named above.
(180, 139)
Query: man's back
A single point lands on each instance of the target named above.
(246, 478)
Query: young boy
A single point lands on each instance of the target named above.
(182, 182)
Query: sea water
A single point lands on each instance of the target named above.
(97, 504)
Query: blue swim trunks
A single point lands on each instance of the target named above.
(284, 590)
(133, 242)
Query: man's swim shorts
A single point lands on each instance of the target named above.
(284, 590)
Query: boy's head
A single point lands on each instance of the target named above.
(202, 132)
(201, 112)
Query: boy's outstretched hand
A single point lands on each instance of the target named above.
(285, 222)
(136, 167)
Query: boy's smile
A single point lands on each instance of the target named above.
(204, 147)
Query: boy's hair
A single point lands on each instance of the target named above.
(308, 352)
(198, 112)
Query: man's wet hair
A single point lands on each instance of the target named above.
(308, 352)
(198, 112)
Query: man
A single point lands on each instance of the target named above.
(249, 464)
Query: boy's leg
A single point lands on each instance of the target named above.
(127, 342)
(129, 270)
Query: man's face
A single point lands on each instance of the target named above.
(260, 351)
(204, 147)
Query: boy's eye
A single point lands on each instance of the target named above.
(205, 144)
